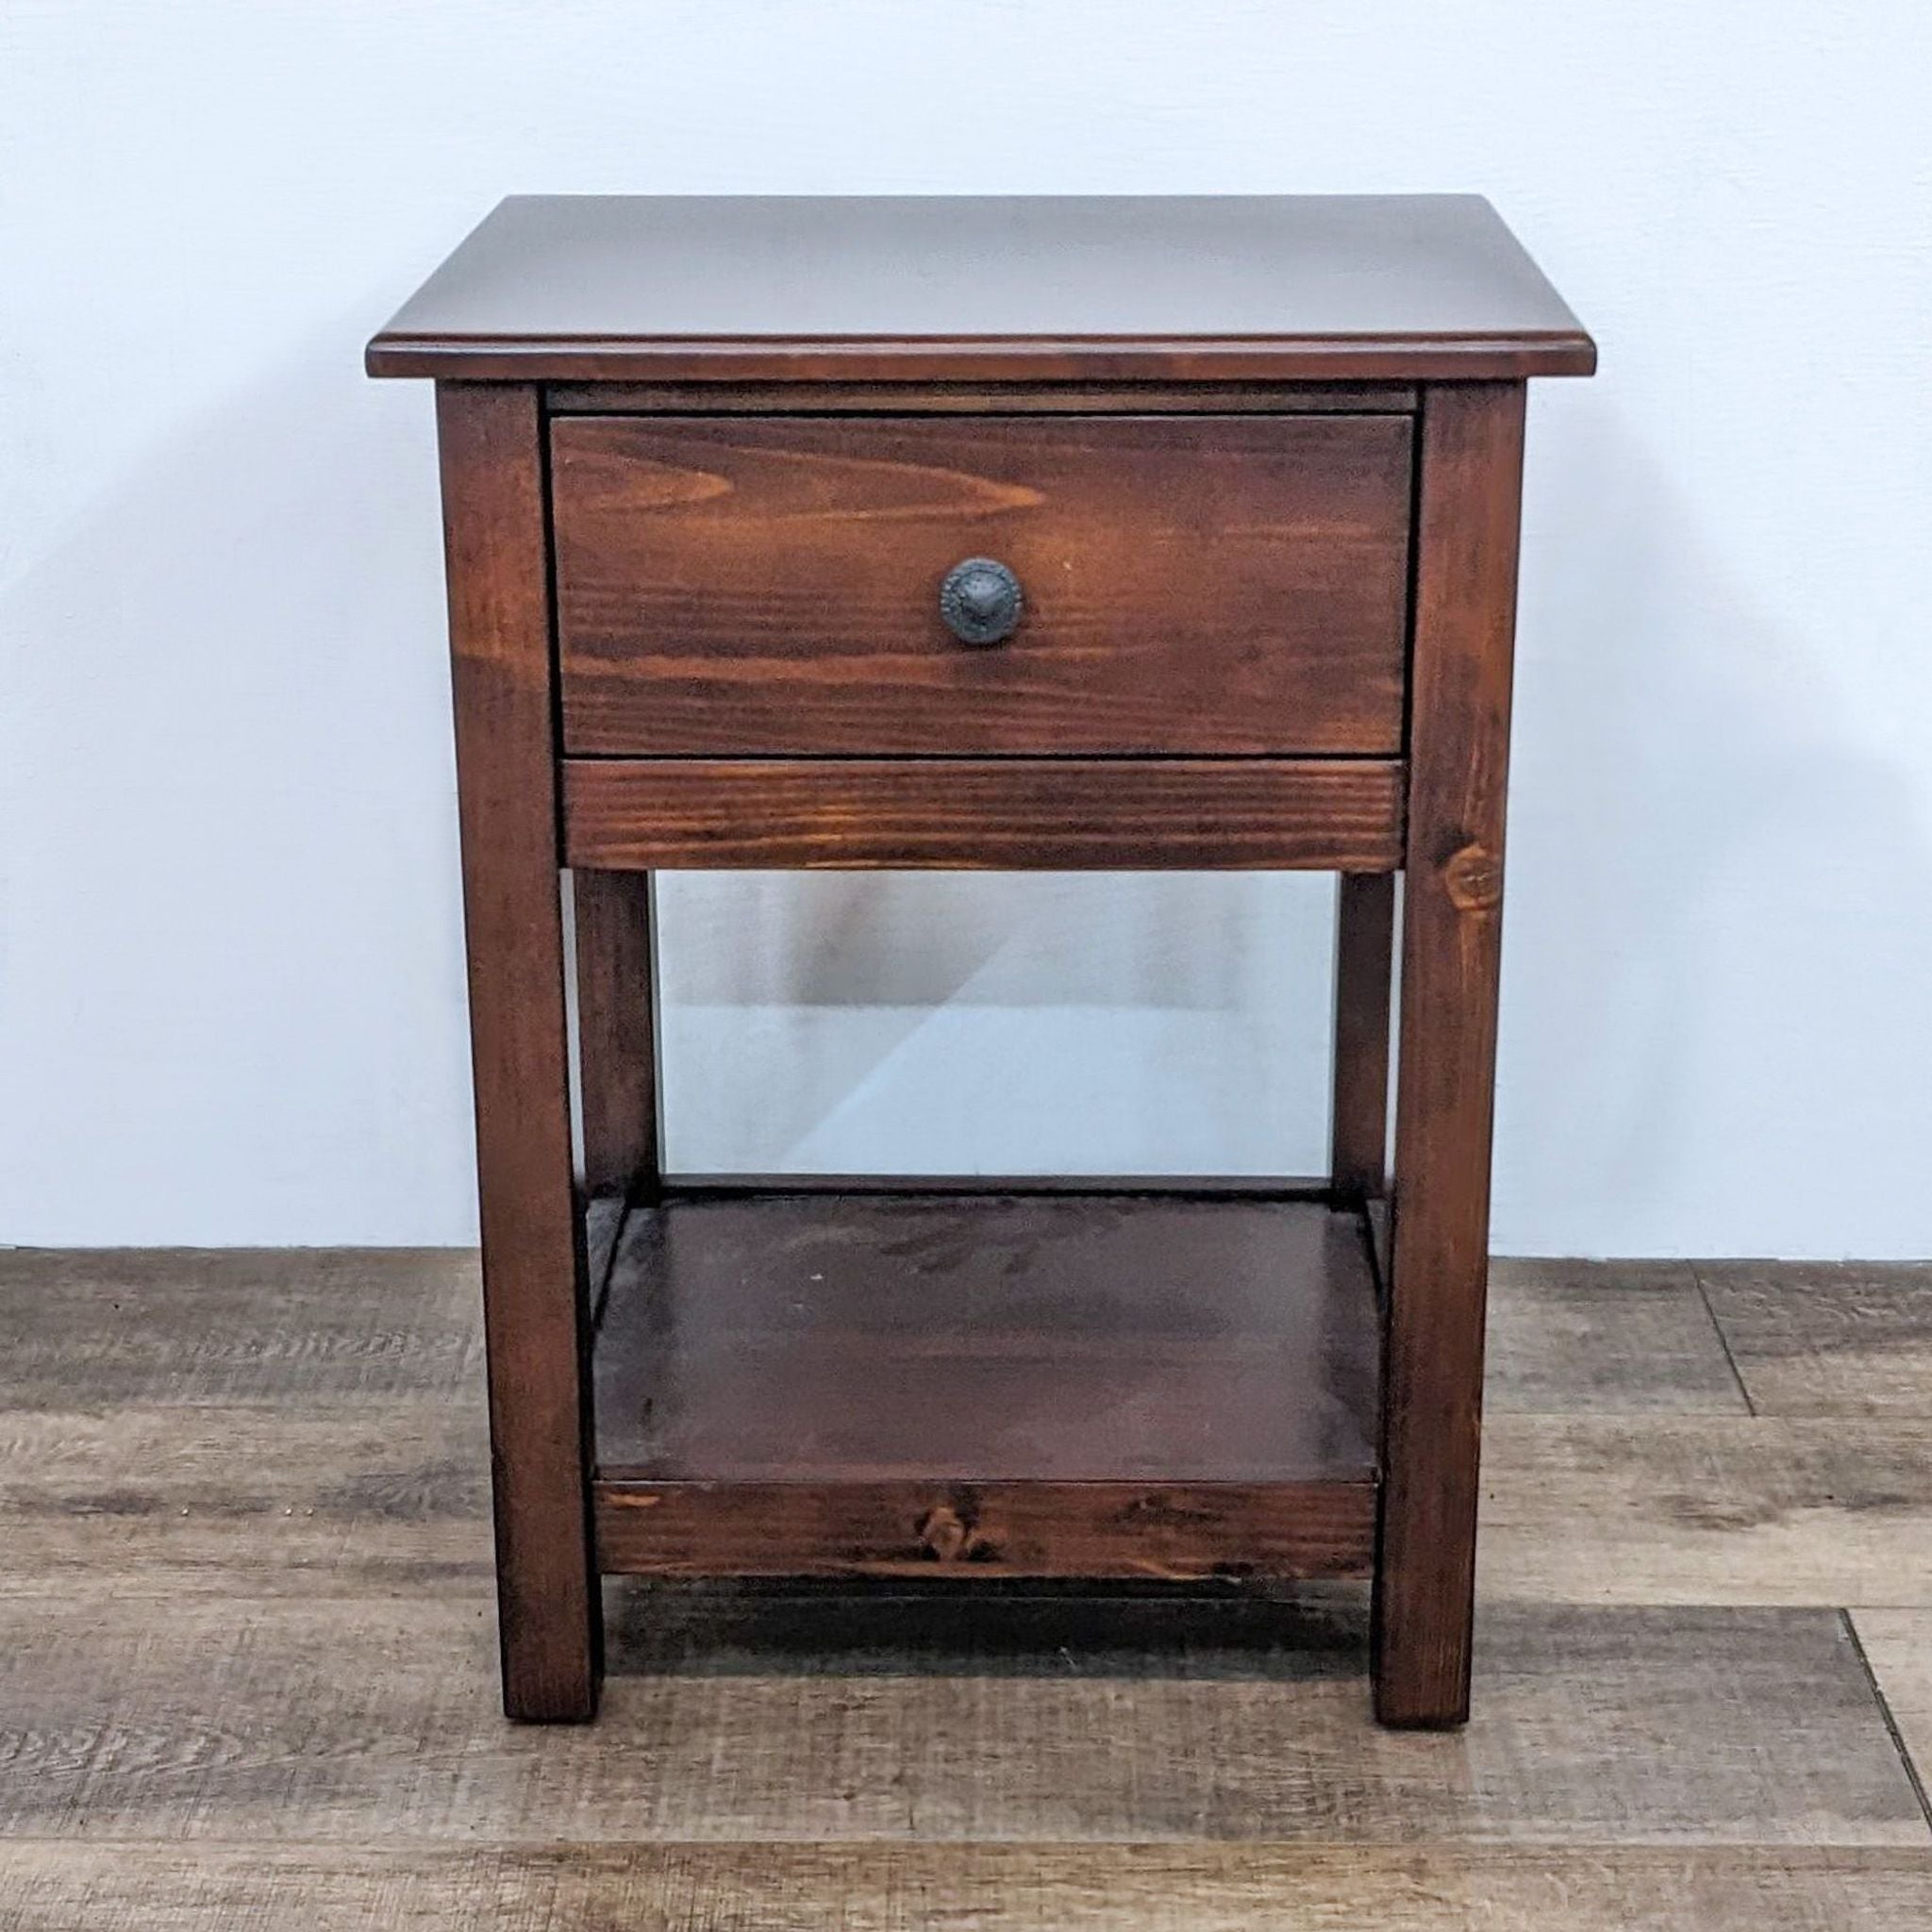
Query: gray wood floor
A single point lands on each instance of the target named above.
(247, 1670)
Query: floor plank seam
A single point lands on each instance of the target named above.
(1892, 1731)
(1724, 1341)
(251, 1593)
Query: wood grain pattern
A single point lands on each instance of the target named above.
(1639, 1509)
(1364, 959)
(1048, 1720)
(135, 1887)
(534, 1282)
(1193, 583)
(1465, 614)
(983, 814)
(957, 1340)
(1847, 1339)
(98, 1328)
(1243, 644)
(617, 1020)
(1626, 1338)
(311, 1499)
(1897, 1645)
(1220, 288)
(980, 1532)
(1661, 1508)
(180, 1751)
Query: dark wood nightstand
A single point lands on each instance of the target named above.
(1020, 533)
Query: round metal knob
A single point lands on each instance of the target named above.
(981, 601)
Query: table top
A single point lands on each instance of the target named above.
(1281, 288)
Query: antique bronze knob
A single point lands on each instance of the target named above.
(981, 601)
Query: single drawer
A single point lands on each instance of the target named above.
(1187, 584)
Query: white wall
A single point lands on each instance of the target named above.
(230, 997)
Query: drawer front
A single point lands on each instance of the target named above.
(1206, 584)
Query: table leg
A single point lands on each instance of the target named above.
(1452, 928)
(617, 1068)
(533, 1263)
(1364, 936)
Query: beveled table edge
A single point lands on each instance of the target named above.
(1029, 359)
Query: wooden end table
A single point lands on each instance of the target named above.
(987, 533)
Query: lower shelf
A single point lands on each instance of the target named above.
(1091, 1384)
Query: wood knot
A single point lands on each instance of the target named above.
(952, 1537)
(944, 1532)
(1472, 879)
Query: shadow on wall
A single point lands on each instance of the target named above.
(1713, 1004)
(230, 977)
(972, 1022)
(230, 987)
(1718, 903)
(919, 939)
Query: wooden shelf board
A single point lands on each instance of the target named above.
(1082, 1383)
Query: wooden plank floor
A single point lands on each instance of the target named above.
(247, 1651)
